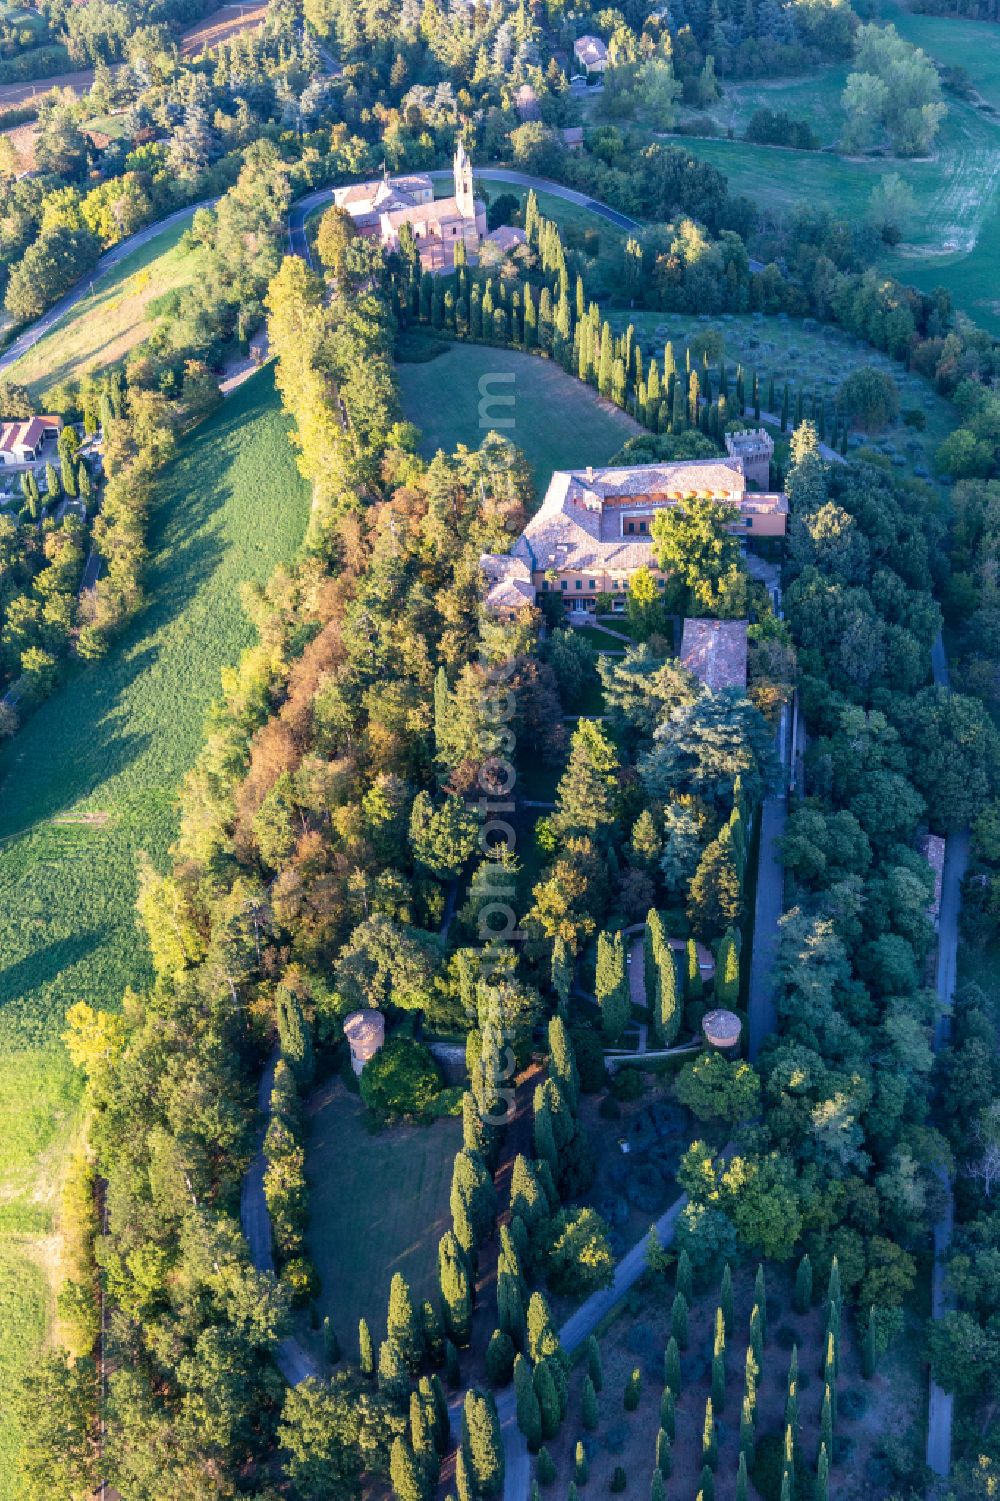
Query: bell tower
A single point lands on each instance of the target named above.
(464, 196)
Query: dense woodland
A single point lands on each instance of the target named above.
(331, 815)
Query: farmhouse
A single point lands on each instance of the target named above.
(593, 529)
(716, 652)
(23, 439)
(591, 53)
(381, 208)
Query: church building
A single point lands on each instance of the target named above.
(381, 208)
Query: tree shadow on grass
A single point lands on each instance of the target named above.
(44, 965)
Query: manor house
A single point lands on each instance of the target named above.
(593, 529)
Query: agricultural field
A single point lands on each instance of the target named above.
(378, 1204)
(222, 25)
(92, 779)
(557, 421)
(810, 356)
(954, 237)
(119, 313)
(877, 1431)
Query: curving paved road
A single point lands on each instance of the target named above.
(83, 288)
(956, 858)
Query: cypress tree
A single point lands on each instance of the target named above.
(668, 1412)
(530, 319)
(718, 1382)
(709, 1437)
(529, 1412)
(657, 1488)
(679, 1320)
(692, 977)
(741, 1478)
(562, 1062)
(672, 1366)
(366, 1349)
(331, 1344)
(633, 1390)
(402, 1324)
(581, 1468)
(760, 1298)
(409, 1478)
(706, 1484)
(802, 1297)
(684, 1280)
(726, 1298)
(605, 361)
(452, 1370)
(589, 1409)
(546, 1467)
(822, 1474)
(833, 1293)
(784, 409)
(545, 1132)
(727, 972)
(594, 1368)
(481, 1443)
(527, 1199)
(757, 1337)
(826, 1420)
(562, 971)
(747, 1432)
(543, 1340)
(664, 1457)
(456, 1289)
(548, 1399)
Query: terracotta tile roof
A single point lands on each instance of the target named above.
(590, 49)
(507, 236)
(716, 652)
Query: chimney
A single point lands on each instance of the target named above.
(590, 474)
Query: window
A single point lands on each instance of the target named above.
(593, 584)
(642, 526)
(661, 583)
(579, 584)
(562, 584)
(631, 526)
(545, 584)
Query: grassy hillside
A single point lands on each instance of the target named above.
(118, 314)
(555, 419)
(92, 779)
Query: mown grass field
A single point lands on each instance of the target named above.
(119, 314)
(555, 419)
(953, 239)
(378, 1204)
(93, 778)
(23, 1312)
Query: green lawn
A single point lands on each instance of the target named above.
(119, 314)
(954, 237)
(378, 1204)
(92, 778)
(555, 419)
(23, 1311)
